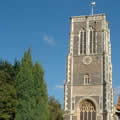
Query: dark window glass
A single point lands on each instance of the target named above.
(94, 116)
(81, 42)
(85, 116)
(84, 42)
(89, 115)
(81, 115)
(94, 44)
(91, 41)
(87, 110)
(86, 79)
(73, 106)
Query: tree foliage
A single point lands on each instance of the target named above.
(23, 92)
(40, 93)
(31, 91)
(24, 89)
(55, 110)
(7, 90)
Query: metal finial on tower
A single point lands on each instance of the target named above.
(92, 7)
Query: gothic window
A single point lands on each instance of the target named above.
(91, 36)
(86, 79)
(87, 110)
(82, 42)
(92, 41)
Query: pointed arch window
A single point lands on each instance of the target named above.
(87, 110)
(82, 41)
(86, 79)
(92, 41)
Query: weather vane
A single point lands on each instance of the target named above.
(93, 3)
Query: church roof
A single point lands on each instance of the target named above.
(118, 105)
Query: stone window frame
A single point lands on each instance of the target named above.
(86, 79)
(92, 37)
(87, 108)
(82, 42)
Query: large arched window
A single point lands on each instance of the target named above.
(87, 110)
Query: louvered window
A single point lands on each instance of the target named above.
(92, 41)
(82, 42)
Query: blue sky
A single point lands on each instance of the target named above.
(44, 26)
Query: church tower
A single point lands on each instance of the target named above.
(88, 88)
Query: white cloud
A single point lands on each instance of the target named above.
(117, 91)
(60, 86)
(116, 94)
(50, 40)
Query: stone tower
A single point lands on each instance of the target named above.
(88, 88)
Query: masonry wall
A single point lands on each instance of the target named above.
(98, 69)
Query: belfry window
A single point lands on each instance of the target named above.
(91, 36)
(82, 42)
(86, 79)
(92, 41)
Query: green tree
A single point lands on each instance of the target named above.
(41, 108)
(24, 89)
(31, 91)
(7, 91)
(55, 110)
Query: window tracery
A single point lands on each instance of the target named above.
(87, 110)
